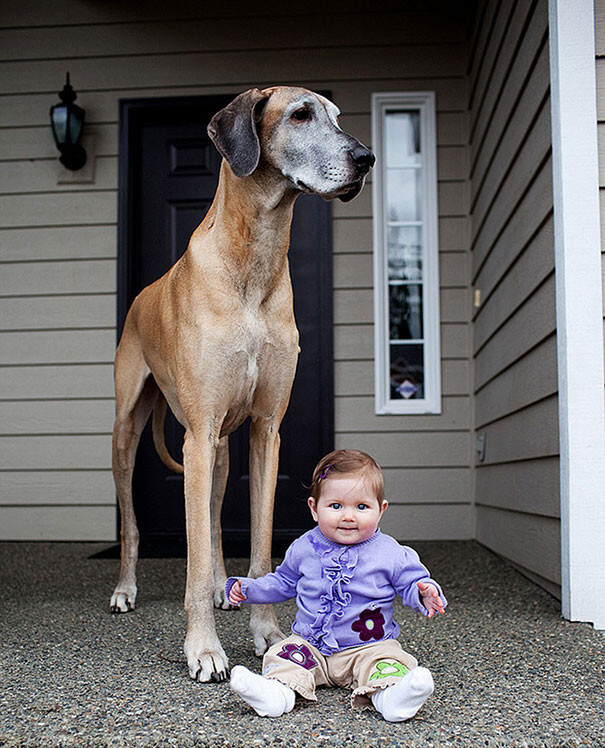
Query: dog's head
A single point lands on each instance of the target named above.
(296, 132)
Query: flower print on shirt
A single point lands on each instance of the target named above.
(369, 625)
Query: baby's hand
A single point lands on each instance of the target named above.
(430, 598)
(236, 595)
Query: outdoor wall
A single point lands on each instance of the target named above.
(58, 238)
(514, 339)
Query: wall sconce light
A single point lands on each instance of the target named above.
(67, 121)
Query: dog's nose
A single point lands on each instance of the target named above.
(363, 158)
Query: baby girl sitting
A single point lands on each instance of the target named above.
(344, 574)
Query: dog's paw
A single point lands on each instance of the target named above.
(220, 600)
(123, 601)
(264, 628)
(207, 666)
(262, 642)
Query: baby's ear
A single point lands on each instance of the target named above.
(313, 507)
(383, 507)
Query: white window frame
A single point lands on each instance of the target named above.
(424, 102)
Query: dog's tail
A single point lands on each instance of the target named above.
(159, 415)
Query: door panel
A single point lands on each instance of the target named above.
(169, 172)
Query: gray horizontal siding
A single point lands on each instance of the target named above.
(529, 486)
(71, 13)
(58, 237)
(33, 243)
(51, 417)
(174, 36)
(57, 318)
(55, 487)
(75, 451)
(55, 522)
(424, 522)
(177, 70)
(531, 541)
(514, 329)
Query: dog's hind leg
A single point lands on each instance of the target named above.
(219, 485)
(136, 393)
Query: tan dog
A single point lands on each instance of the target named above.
(216, 339)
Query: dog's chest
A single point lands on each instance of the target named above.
(249, 337)
(250, 340)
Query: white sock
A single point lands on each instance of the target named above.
(268, 697)
(403, 699)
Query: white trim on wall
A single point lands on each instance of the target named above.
(424, 103)
(579, 309)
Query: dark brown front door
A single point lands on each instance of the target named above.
(168, 176)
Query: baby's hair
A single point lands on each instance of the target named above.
(345, 462)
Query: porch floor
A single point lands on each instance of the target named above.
(508, 670)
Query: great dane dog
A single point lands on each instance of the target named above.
(215, 339)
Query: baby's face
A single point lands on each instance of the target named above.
(347, 511)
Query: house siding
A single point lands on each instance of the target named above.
(59, 234)
(514, 327)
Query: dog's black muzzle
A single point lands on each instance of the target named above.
(363, 160)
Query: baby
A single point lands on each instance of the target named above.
(344, 574)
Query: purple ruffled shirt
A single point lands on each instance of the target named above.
(344, 593)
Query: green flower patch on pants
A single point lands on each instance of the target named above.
(386, 669)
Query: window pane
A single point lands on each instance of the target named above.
(407, 372)
(404, 195)
(405, 253)
(405, 312)
(402, 138)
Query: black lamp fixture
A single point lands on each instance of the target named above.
(67, 121)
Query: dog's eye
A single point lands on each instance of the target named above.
(300, 115)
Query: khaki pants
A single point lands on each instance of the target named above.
(366, 669)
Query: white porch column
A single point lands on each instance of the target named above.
(579, 309)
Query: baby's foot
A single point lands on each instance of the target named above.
(268, 697)
(402, 700)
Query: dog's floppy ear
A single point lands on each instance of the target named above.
(233, 131)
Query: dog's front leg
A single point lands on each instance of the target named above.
(219, 485)
(206, 658)
(264, 457)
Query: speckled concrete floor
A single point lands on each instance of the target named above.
(508, 670)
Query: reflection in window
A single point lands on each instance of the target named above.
(405, 312)
(405, 253)
(404, 194)
(402, 137)
(407, 372)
